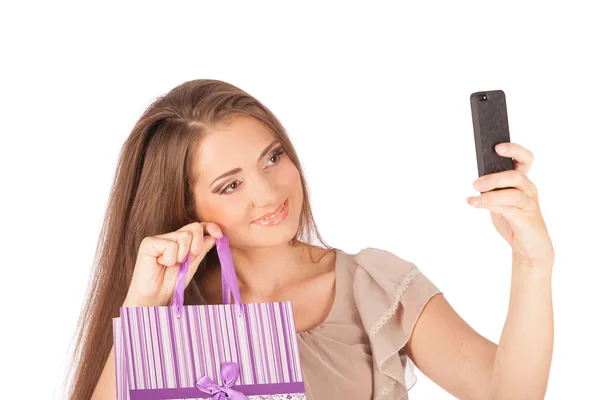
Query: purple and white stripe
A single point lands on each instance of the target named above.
(157, 350)
(120, 361)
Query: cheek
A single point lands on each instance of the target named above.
(228, 216)
(224, 216)
(290, 178)
(293, 186)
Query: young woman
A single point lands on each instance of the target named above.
(208, 158)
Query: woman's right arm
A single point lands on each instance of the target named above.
(106, 389)
(154, 280)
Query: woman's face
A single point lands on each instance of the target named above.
(244, 174)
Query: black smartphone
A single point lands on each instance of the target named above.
(490, 125)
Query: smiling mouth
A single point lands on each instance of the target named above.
(272, 215)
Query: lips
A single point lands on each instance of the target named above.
(271, 213)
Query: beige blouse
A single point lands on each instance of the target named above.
(357, 352)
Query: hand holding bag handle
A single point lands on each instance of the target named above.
(228, 278)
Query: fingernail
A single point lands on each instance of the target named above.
(501, 148)
(473, 201)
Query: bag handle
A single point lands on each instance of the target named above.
(228, 277)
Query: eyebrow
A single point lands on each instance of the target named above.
(236, 170)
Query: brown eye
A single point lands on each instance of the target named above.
(276, 156)
(232, 185)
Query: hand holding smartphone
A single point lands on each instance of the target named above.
(490, 125)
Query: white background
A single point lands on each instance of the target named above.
(375, 98)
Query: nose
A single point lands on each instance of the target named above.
(264, 192)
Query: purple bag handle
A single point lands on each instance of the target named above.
(228, 278)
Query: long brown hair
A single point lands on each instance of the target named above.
(152, 194)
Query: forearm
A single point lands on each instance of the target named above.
(524, 354)
(106, 387)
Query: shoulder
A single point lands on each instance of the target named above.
(370, 256)
(384, 281)
(381, 266)
(390, 293)
(384, 262)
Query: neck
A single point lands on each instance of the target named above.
(265, 271)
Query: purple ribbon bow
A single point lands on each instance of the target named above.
(229, 374)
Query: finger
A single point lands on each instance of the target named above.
(213, 229)
(506, 179)
(506, 198)
(182, 239)
(199, 246)
(523, 158)
(200, 243)
(163, 249)
(196, 247)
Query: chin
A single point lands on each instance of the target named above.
(274, 235)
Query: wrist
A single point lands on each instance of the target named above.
(532, 271)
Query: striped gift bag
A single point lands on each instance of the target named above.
(226, 351)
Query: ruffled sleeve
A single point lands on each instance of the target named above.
(390, 294)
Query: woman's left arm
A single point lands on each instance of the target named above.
(467, 365)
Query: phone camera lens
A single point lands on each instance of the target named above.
(482, 97)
